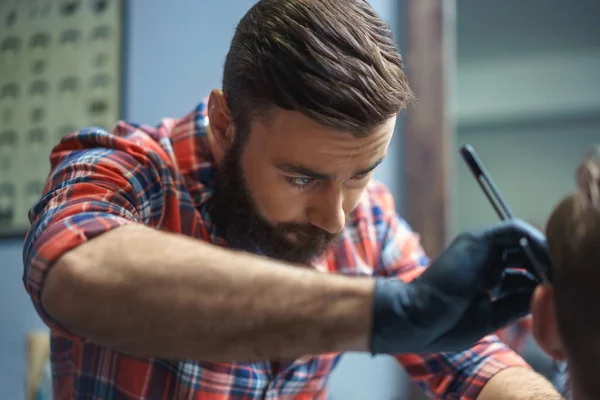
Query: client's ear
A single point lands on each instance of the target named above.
(545, 326)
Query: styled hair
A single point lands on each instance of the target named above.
(573, 234)
(335, 61)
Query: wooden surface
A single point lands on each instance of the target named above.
(428, 135)
(38, 353)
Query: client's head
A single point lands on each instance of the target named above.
(566, 320)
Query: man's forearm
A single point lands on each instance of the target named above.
(155, 294)
(518, 384)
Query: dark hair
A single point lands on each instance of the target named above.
(573, 233)
(333, 60)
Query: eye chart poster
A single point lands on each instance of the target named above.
(60, 70)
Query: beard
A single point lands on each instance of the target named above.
(238, 220)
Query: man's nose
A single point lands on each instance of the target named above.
(327, 210)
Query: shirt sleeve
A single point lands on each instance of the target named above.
(447, 375)
(98, 181)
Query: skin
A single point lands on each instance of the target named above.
(546, 332)
(123, 293)
(299, 171)
(299, 311)
(545, 325)
(318, 183)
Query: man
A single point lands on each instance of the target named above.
(233, 253)
(566, 322)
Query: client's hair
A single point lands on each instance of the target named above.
(573, 234)
(333, 60)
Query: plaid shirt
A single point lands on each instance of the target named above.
(162, 177)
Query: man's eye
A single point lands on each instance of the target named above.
(299, 182)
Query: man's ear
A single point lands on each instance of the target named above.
(545, 324)
(220, 121)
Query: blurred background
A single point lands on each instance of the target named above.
(521, 84)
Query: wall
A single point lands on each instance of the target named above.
(174, 57)
(17, 317)
(533, 166)
(527, 99)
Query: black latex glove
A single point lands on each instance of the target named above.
(463, 296)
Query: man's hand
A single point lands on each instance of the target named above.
(466, 294)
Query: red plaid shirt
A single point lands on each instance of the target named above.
(162, 177)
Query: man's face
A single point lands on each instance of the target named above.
(288, 189)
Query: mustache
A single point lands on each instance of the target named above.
(305, 232)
